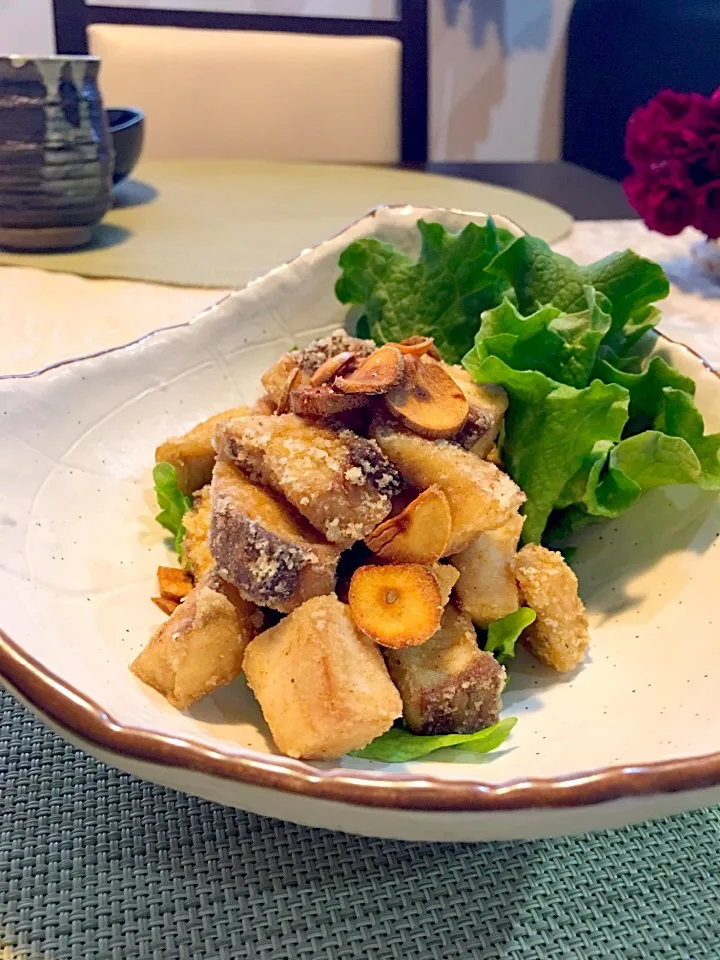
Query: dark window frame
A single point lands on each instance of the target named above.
(410, 28)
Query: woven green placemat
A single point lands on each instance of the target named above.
(96, 864)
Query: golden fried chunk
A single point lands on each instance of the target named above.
(263, 547)
(559, 637)
(322, 685)
(486, 589)
(193, 454)
(446, 576)
(481, 497)
(448, 685)
(309, 359)
(165, 604)
(197, 527)
(201, 646)
(264, 405)
(488, 404)
(275, 379)
(175, 584)
(340, 482)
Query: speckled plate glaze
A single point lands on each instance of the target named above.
(634, 734)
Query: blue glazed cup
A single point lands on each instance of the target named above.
(55, 152)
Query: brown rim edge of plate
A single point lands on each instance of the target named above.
(85, 718)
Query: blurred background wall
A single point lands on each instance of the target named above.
(26, 26)
(497, 72)
(496, 66)
(353, 9)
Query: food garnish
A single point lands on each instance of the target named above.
(427, 400)
(173, 503)
(398, 605)
(398, 745)
(418, 534)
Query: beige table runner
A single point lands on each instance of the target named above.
(222, 223)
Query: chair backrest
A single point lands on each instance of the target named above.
(247, 85)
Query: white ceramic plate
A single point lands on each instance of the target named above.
(634, 734)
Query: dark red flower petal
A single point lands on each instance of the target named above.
(707, 210)
(666, 204)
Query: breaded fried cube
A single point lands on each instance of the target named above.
(263, 547)
(488, 404)
(486, 589)
(193, 454)
(340, 482)
(559, 637)
(322, 685)
(448, 684)
(200, 647)
(197, 527)
(310, 358)
(481, 496)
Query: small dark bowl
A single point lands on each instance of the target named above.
(127, 129)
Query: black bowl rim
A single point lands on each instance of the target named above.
(137, 117)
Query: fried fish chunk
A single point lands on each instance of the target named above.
(448, 685)
(263, 547)
(339, 481)
(481, 496)
(486, 589)
(309, 359)
(560, 636)
(200, 647)
(193, 454)
(322, 685)
(488, 404)
(197, 527)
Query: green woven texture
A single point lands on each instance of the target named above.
(96, 864)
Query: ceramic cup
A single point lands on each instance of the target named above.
(55, 153)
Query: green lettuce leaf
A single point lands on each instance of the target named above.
(550, 432)
(564, 524)
(645, 387)
(563, 346)
(630, 283)
(679, 417)
(636, 464)
(441, 295)
(398, 745)
(503, 634)
(172, 502)
(591, 426)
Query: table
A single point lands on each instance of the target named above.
(221, 223)
(96, 864)
(584, 194)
